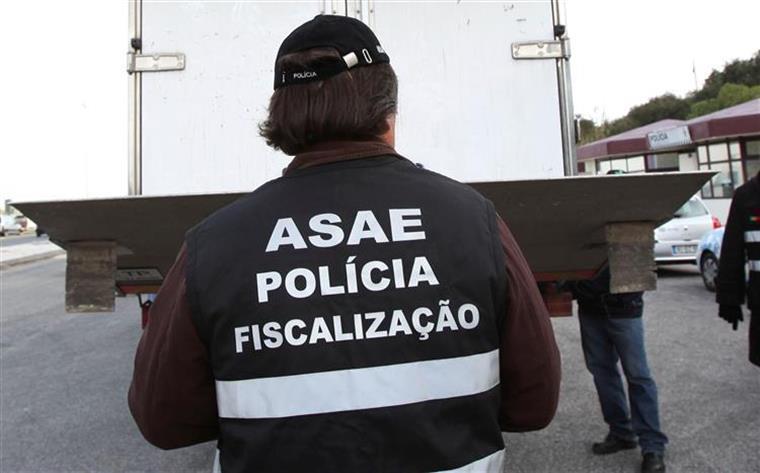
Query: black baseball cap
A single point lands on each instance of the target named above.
(355, 42)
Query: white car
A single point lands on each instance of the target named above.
(677, 241)
(9, 224)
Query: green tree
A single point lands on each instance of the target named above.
(589, 130)
(742, 72)
(619, 126)
(659, 108)
(703, 108)
(737, 82)
(728, 96)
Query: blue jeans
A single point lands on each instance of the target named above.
(605, 341)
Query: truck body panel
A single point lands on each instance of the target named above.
(467, 109)
(472, 106)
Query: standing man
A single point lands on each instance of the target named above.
(357, 314)
(741, 245)
(612, 330)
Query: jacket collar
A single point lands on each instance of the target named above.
(334, 151)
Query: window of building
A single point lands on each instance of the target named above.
(737, 176)
(722, 184)
(662, 162)
(603, 166)
(586, 168)
(687, 161)
(619, 165)
(753, 167)
(636, 164)
(718, 152)
(734, 150)
(752, 148)
(707, 190)
(752, 157)
(725, 158)
(702, 154)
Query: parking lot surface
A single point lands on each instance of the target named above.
(64, 378)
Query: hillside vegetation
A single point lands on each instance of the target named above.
(737, 82)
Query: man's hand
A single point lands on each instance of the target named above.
(731, 314)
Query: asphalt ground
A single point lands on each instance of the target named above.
(64, 378)
(13, 240)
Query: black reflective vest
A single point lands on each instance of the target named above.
(741, 245)
(352, 315)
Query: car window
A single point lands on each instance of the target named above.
(692, 208)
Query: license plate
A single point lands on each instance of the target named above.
(684, 250)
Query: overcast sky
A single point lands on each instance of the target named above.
(64, 87)
(625, 52)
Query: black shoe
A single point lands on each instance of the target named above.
(653, 463)
(612, 444)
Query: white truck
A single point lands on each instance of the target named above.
(484, 94)
(484, 88)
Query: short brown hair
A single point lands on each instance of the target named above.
(353, 105)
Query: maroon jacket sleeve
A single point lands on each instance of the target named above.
(530, 361)
(172, 397)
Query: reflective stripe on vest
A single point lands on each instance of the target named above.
(752, 236)
(493, 463)
(355, 389)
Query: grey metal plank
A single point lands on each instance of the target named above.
(559, 223)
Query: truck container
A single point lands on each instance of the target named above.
(484, 97)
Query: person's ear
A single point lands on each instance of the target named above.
(389, 137)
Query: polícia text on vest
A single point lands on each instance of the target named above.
(375, 275)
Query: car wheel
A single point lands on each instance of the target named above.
(708, 267)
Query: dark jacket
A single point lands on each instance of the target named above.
(741, 245)
(594, 298)
(173, 398)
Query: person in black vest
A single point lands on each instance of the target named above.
(359, 313)
(740, 247)
(612, 331)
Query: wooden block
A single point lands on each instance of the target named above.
(90, 285)
(630, 247)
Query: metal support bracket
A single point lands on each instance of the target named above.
(90, 269)
(551, 49)
(630, 249)
(155, 62)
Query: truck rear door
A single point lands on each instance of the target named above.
(467, 108)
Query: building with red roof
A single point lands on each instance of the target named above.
(726, 141)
